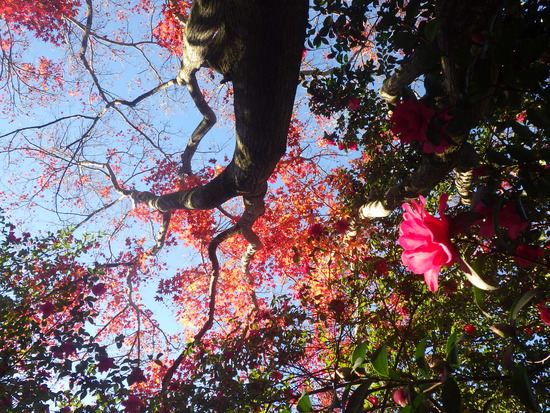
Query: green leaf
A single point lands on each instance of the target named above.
(404, 40)
(521, 153)
(521, 386)
(380, 361)
(357, 399)
(473, 277)
(450, 396)
(451, 349)
(521, 130)
(359, 355)
(520, 303)
(508, 358)
(431, 28)
(304, 403)
(538, 117)
(420, 359)
(417, 403)
(478, 299)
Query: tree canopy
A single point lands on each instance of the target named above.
(234, 206)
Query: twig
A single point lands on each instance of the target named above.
(212, 248)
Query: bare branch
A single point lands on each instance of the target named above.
(93, 34)
(212, 248)
(209, 120)
(45, 125)
(143, 96)
(161, 236)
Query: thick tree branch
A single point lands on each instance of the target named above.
(453, 38)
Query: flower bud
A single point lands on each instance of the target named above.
(400, 397)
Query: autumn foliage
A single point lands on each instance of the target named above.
(439, 303)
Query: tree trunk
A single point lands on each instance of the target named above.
(257, 44)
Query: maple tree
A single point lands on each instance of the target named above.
(404, 264)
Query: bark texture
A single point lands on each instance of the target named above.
(257, 45)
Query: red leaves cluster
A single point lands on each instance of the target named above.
(169, 31)
(44, 18)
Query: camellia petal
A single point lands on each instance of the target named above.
(545, 315)
(425, 241)
(410, 120)
(431, 278)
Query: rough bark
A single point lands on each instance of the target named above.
(257, 44)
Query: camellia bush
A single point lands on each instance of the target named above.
(49, 355)
(404, 260)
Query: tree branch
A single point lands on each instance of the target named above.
(209, 120)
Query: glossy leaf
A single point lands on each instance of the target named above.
(520, 303)
(450, 395)
(451, 349)
(522, 388)
(380, 361)
(304, 403)
(474, 278)
(359, 355)
(356, 401)
(431, 28)
(420, 359)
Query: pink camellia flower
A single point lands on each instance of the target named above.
(47, 309)
(56, 352)
(526, 254)
(486, 227)
(425, 240)
(354, 103)
(439, 127)
(410, 120)
(381, 267)
(136, 376)
(68, 348)
(545, 315)
(316, 230)
(470, 329)
(105, 363)
(439, 149)
(450, 287)
(521, 116)
(132, 404)
(510, 219)
(276, 375)
(400, 397)
(341, 226)
(507, 218)
(99, 289)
